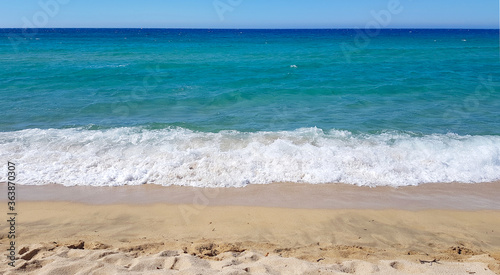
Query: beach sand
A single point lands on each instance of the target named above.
(70, 230)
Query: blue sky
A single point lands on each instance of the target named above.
(250, 13)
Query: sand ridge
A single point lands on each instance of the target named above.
(51, 259)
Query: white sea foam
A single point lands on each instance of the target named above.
(182, 157)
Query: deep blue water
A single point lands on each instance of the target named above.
(251, 80)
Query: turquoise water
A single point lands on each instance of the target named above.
(236, 107)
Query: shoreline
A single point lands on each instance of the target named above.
(452, 196)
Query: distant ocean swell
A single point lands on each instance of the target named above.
(178, 156)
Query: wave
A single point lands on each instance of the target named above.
(178, 156)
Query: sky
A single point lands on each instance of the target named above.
(249, 13)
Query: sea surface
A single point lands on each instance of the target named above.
(228, 108)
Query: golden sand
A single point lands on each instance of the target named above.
(68, 237)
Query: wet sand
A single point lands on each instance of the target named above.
(458, 196)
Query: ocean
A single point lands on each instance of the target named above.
(228, 108)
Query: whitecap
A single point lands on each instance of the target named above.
(177, 156)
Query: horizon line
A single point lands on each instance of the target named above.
(181, 28)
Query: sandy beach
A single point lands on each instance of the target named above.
(72, 230)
